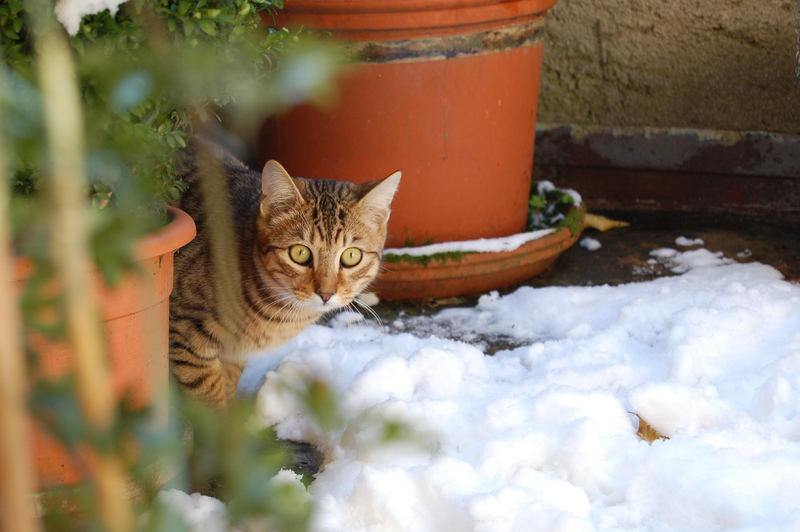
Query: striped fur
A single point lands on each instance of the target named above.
(276, 297)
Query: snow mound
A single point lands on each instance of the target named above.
(682, 262)
(543, 436)
(592, 244)
(688, 242)
(199, 513)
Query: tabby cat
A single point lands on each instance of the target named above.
(304, 248)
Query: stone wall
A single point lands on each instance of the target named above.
(706, 64)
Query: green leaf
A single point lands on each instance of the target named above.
(537, 201)
(188, 29)
(208, 27)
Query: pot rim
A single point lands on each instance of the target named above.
(474, 273)
(179, 231)
(407, 19)
(480, 257)
(393, 6)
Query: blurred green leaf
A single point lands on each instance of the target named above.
(146, 75)
(208, 27)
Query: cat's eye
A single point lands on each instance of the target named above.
(300, 254)
(351, 257)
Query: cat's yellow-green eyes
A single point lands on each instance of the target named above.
(300, 254)
(351, 257)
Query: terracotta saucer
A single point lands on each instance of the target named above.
(472, 273)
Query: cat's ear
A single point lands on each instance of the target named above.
(277, 187)
(379, 197)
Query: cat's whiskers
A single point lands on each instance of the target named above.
(287, 310)
(264, 307)
(277, 302)
(278, 305)
(356, 303)
(383, 268)
(295, 310)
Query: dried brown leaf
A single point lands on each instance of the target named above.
(601, 223)
(647, 432)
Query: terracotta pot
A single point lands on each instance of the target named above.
(472, 273)
(446, 91)
(135, 316)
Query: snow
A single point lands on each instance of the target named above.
(200, 513)
(542, 435)
(207, 514)
(546, 186)
(480, 245)
(682, 262)
(592, 244)
(70, 12)
(688, 242)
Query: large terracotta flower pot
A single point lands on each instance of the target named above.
(135, 317)
(446, 91)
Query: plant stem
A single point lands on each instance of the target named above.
(16, 482)
(224, 253)
(69, 232)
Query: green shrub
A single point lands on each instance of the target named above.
(147, 75)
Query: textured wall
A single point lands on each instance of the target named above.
(711, 64)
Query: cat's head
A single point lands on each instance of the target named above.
(320, 241)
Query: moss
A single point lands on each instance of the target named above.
(445, 256)
(572, 220)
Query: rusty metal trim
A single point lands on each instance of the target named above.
(450, 46)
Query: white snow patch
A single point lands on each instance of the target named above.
(481, 245)
(207, 514)
(576, 198)
(682, 262)
(688, 242)
(200, 513)
(671, 406)
(592, 244)
(544, 186)
(540, 437)
(70, 12)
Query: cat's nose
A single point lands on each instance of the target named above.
(325, 296)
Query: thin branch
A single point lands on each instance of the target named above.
(69, 232)
(16, 482)
(224, 252)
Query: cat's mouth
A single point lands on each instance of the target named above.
(323, 303)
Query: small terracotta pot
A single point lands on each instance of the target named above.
(135, 316)
(472, 273)
(446, 91)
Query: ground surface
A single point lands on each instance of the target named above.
(624, 254)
